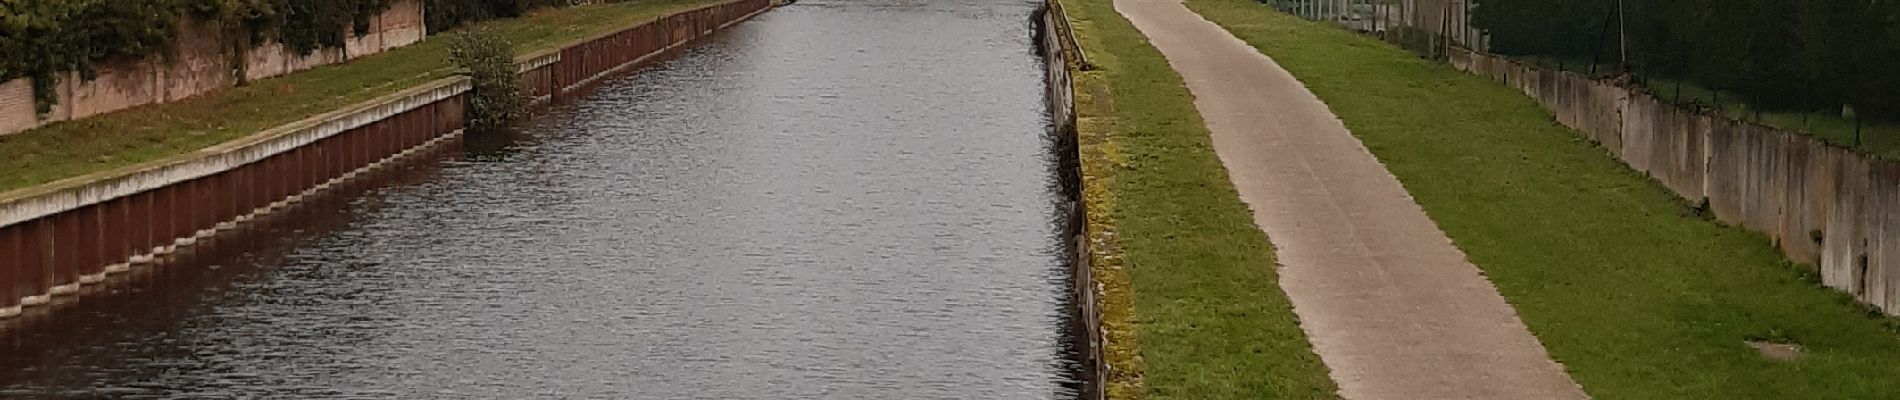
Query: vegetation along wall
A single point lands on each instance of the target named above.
(1055, 43)
(63, 60)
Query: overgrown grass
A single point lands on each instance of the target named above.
(1210, 317)
(1100, 155)
(1637, 299)
(152, 132)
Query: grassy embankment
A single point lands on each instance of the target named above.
(1207, 312)
(1637, 298)
(153, 132)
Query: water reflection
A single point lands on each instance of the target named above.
(837, 200)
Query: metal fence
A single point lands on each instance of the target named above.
(1828, 68)
(1425, 27)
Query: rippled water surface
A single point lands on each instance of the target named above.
(838, 199)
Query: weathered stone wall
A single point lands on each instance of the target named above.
(16, 106)
(1820, 204)
(398, 26)
(202, 64)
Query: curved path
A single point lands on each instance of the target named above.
(1391, 306)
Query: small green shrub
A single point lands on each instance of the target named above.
(489, 59)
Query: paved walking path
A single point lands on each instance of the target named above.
(1391, 306)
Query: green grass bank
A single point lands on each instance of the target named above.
(1207, 313)
(1635, 294)
(152, 132)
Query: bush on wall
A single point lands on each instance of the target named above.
(495, 100)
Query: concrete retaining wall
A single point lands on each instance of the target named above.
(203, 63)
(57, 236)
(1054, 42)
(1824, 205)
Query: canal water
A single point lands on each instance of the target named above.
(838, 199)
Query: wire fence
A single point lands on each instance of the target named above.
(1829, 68)
(1425, 27)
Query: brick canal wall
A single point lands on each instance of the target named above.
(1820, 204)
(57, 236)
